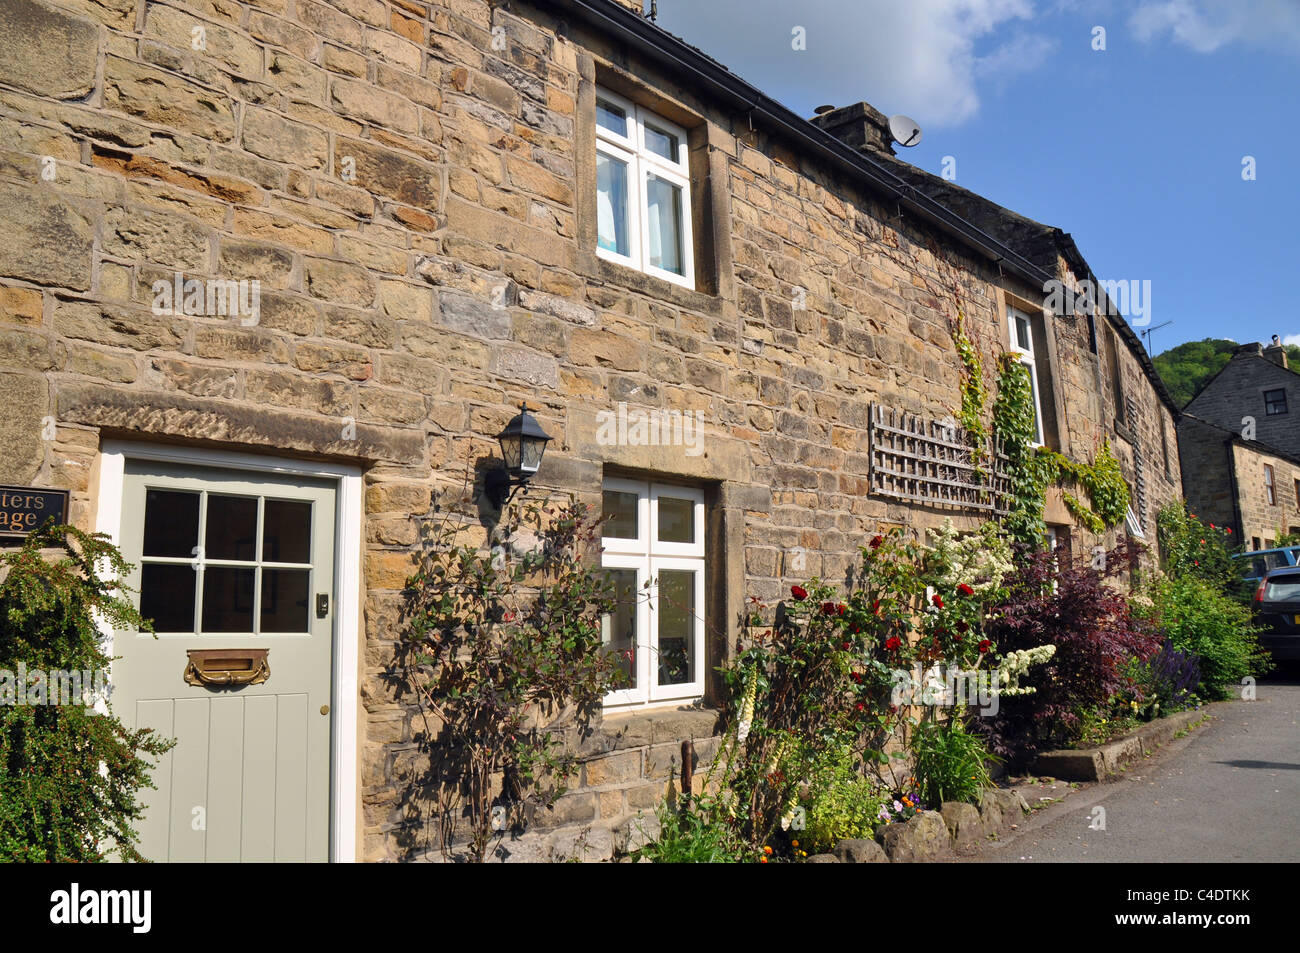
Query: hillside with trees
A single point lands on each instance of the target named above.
(1187, 368)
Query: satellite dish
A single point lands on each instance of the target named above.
(904, 130)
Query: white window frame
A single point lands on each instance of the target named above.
(649, 557)
(641, 164)
(1028, 359)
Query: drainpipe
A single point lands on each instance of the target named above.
(1230, 446)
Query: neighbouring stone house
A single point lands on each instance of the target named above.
(452, 208)
(1241, 447)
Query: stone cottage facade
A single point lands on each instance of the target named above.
(1239, 437)
(451, 207)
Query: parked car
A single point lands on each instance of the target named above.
(1258, 563)
(1277, 608)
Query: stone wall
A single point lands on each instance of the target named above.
(1209, 458)
(411, 182)
(1261, 519)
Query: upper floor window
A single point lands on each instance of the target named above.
(1274, 402)
(1022, 343)
(643, 191)
(654, 554)
(1269, 487)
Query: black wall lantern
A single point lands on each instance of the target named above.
(523, 441)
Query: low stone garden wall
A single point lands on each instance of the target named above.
(930, 834)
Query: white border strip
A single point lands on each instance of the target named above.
(344, 803)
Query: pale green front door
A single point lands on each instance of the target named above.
(239, 561)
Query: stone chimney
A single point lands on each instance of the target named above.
(861, 126)
(1276, 353)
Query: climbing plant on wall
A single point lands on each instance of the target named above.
(1032, 469)
(973, 393)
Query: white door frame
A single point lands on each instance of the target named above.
(347, 536)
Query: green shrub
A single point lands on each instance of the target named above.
(951, 764)
(693, 833)
(69, 775)
(840, 803)
(1191, 548)
(1199, 618)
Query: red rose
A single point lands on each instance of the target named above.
(828, 608)
(985, 645)
(799, 592)
(840, 608)
(1228, 530)
(963, 626)
(860, 706)
(856, 676)
(875, 607)
(965, 590)
(893, 643)
(937, 600)
(876, 541)
(846, 645)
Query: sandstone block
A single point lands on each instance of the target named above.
(46, 50)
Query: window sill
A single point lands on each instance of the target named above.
(636, 728)
(1123, 432)
(601, 269)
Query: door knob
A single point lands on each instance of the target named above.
(324, 709)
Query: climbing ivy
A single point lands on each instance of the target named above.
(973, 393)
(1031, 470)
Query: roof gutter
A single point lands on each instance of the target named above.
(659, 45)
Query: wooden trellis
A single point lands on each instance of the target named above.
(924, 461)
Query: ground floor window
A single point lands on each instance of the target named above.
(654, 554)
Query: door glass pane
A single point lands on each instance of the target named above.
(664, 211)
(611, 205)
(676, 520)
(618, 629)
(171, 523)
(167, 596)
(231, 528)
(284, 600)
(286, 531)
(676, 626)
(619, 510)
(611, 117)
(661, 143)
(228, 599)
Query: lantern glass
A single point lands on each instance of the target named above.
(511, 451)
(532, 449)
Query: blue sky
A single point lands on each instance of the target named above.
(1136, 150)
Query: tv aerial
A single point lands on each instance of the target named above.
(904, 130)
(1146, 333)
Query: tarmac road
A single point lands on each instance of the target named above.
(1228, 791)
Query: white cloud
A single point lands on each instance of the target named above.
(1291, 339)
(1208, 25)
(926, 58)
